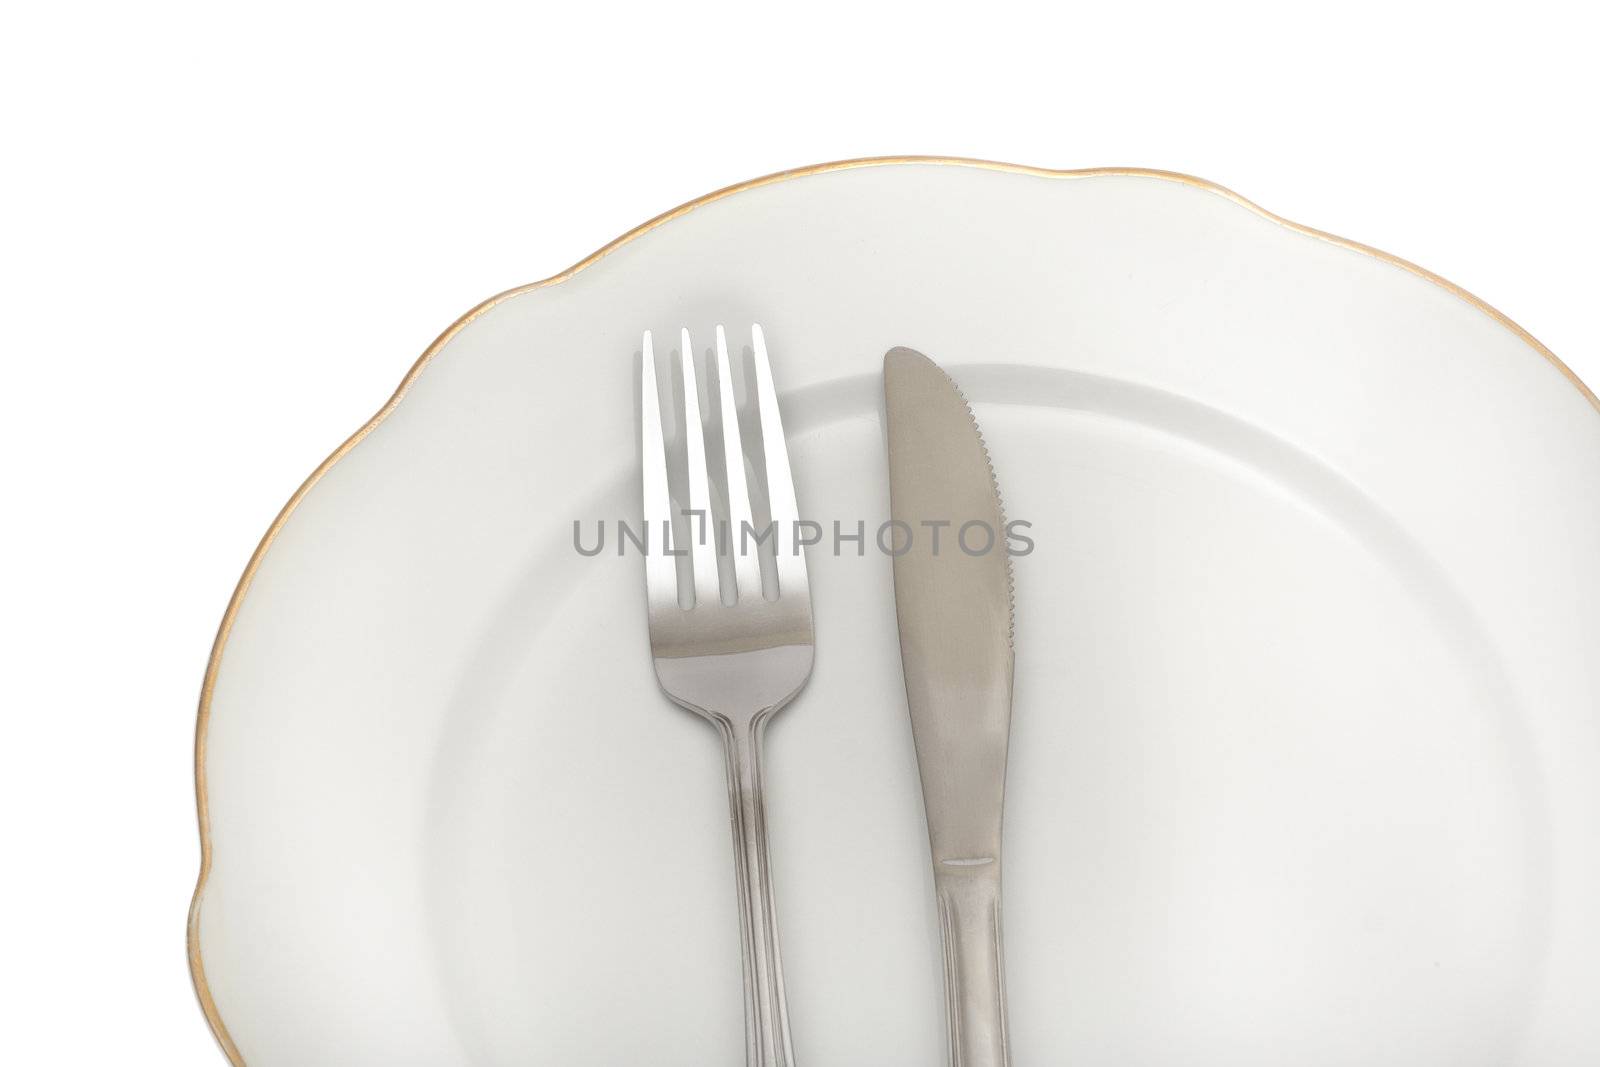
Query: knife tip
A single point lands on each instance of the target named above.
(901, 357)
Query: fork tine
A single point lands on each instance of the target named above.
(702, 529)
(746, 563)
(661, 577)
(785, 511)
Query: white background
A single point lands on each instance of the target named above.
(228, 231)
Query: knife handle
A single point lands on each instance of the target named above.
(974, 963)
(766, 1011)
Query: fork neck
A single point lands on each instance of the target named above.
(767, 1039)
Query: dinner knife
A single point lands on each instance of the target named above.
(952, 588)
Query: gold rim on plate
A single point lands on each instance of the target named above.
(208, 686)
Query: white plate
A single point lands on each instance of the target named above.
(1306, 754)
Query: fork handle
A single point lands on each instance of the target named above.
(974, 964)
(766, 1013)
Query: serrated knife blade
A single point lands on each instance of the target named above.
(953, 599)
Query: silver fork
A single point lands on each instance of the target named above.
(734, 663)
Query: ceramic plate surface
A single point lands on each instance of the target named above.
(1306, 746)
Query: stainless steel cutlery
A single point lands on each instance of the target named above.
(735, 656)
(955, 613)
(724, 650)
